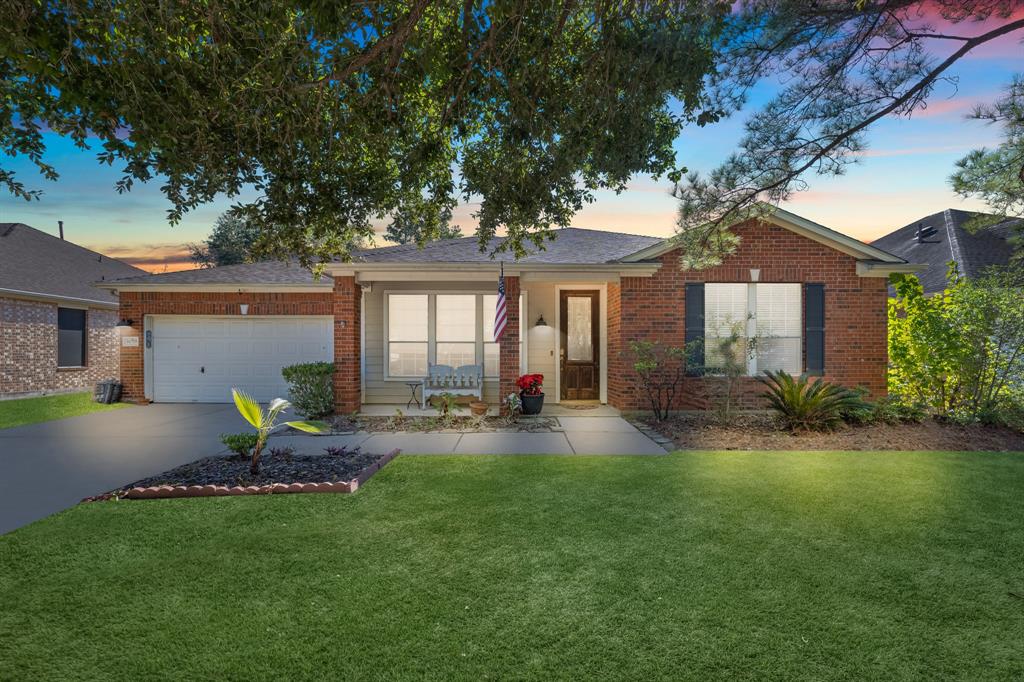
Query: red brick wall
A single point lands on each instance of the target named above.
(654, 308)
(135, 305)
(28, 349)
(508, 358)
(347, 301)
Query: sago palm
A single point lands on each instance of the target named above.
(806, 405)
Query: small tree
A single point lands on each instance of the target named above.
(961, 353)
(733, 352)
(662, 370)
(265, 421)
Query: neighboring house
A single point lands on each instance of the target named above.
(572, 311)
(937, 239)
(56, 329)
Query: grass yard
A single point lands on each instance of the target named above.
(693, 566)
(47, 408)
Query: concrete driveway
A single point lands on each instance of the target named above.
(51, 466)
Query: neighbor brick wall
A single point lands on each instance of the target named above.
(135, 305)
(508, 348)
(28, 349)
(347, 302)
(654, 308)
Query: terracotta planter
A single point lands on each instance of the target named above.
(532, 404)
(478, 408)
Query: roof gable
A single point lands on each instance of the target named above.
(798, 225)
(35, 263)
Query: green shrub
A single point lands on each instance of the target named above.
(310, 388)
(893, 410)
(816, 406)
(239, 443)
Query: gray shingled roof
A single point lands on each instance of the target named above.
(35, 262)
(973, 252)
(268, 272)
(571, 246)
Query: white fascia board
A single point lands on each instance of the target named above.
(475, 272)
(54, 298)
(876, 269)
(232, 288)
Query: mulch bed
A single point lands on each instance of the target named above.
(281, 471)
(763, 432)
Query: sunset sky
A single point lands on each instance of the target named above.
(901, 177)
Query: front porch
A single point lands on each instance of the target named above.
(390, 327)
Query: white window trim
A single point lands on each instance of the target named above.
(432, 295)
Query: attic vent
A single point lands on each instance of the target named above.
(923, 232)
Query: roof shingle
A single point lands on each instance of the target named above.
(973, 252)
(35, 262)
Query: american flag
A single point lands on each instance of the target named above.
(500, 312)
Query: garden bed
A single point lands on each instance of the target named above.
(281, 471)
(763, 432)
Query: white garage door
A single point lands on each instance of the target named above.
(200, 359)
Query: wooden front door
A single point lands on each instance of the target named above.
(580, 351)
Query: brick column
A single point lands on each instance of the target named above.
(346, 308)
(509, 344)
(131, 357)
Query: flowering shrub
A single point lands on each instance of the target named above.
(531, 384)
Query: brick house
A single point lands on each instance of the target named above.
(57, 331)
(816, 298)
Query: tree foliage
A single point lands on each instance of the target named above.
(337, 114)
(420, 229)
(996, 176)
(661, 370)
(845, 66)
(960, 353)
(231, 242)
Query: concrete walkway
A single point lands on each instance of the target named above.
(579, 436)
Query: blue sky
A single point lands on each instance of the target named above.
(903, 176)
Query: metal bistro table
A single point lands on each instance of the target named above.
(413, 385)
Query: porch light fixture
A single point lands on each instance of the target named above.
(123, 323)
(244, 307)
(755, 274)
(541, 322)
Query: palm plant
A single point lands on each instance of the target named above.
(266, 421)
(809, 406)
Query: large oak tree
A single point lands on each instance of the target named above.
(340, 113)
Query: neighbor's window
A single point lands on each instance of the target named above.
(773, 312)
(71, 337)
(407, 335)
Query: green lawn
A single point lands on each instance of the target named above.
(47, 408)
(696, 565)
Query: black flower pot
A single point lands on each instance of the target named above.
(532, 404)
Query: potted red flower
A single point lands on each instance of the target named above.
(531, 391)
